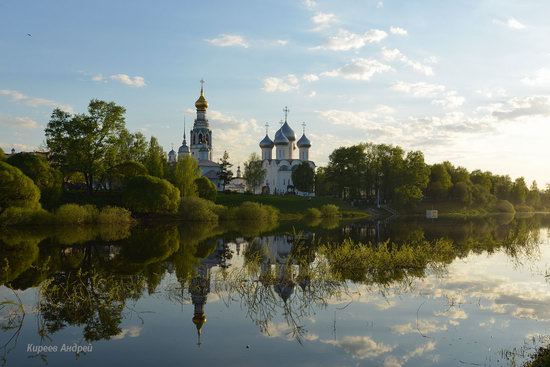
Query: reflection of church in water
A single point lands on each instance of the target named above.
(277, 270)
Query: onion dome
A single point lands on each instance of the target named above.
(183, 149)
(289, 133)
(303, 142)
(171, 153)
(201, 104)
(199, 320)
(267, 142)
(280, 138)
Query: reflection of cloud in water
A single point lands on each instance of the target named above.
(361, 347)
(393, 361)
(425, 327)
(283, 331)
(453, 314)
(131, 332)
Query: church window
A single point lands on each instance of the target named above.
(200, 138)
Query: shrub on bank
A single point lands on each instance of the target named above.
(114, 215)
(313, 213)
(330, 211)
(196, 209)
(16, 216)
(523, 208)
(206, 189)
(148, 194)
(504, 206)
(16, 189)
(76, 214)
(253, 211)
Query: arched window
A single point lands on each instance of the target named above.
(200, 138)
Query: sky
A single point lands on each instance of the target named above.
(466, 81)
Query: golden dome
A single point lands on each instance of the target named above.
(199, 320)
(202, 103)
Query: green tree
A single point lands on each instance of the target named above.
(225, 175)
(155, 159)
(47, 178)
(302, 177)
(414, 179)
(2, 154)
(254, 173)
(78, 143)
(206, 189)
(16, 189)
(502, 187)
(323, 186)
(149, 194)
(462, 192)
(440, 182)
(185, 173)
(347, 169)
(519, 191)
(533, 196)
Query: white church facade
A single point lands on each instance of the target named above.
(278, 180)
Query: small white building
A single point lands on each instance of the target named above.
(278, 180)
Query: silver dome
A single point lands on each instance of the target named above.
(267, 142)
(303, 142)
(280, 138)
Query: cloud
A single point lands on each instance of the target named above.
(136, 81)
(424, 326)
(131, 332)
(492, 93)
(520, 107)
(398, 31)
(19, 97)
(323, 20)
(310, 4)
(346, 40)
(310, 78)
(360, 347)
(395, 54)
(286, 84)
(283, 331)
(99, 78)
(421, 89)
(281, 42)
(228, 40)
(450, 101)
(359, 69)
(510, 22)
(539, 78)
(380, 5)
(18, 122)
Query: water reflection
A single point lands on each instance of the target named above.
(90, 280)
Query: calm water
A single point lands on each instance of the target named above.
(253, 295)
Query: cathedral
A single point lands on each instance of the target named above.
(201, 143)
(278, 179)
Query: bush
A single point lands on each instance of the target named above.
(254, 211)
(48, 179)
(16, 216)
(313, 213)
(148, 194)
(76, 214)
(198, 210)
(16, 189)
(504, 206)
(330, 211)
(523, 208)
(114, 215)
(206, 189)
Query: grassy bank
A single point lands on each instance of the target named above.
(291, 207)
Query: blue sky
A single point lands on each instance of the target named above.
(465, 81)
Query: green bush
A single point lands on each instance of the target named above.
(504, 206)
(76, 214)
(47, 178)
(206, 189)
(16, 189)
(254, 211)
(114, 215)
(523, 208)
(330, 211)
(313, 213)
(16, 216)
(148, 194)
(198, 210)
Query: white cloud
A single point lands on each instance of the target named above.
(395, 54)
(450, 101)
(310, 78)
(19, 97)
(492, 93)
(520, 107)
(510, 22)
(323, 20)
(99, 78)
(312, 94)
(346, 40)
(539, 78)
(310, 3)
(421, 89)
(423, 326)
(361, 347)
(18, 122)
(359, 69)
(228, 40)
(131, 332)
(380, 5)
(136, 81)
(286, 84)
(281, 42)
(398, 31)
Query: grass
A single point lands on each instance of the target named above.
(290, 206)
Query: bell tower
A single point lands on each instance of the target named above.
(201, 135)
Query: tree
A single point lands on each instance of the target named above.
(149, 194)
(462, 193)
(206, 189)
(347, 168)
(440, 182)
(302, 177)
(519, 191)
(225, 175)
(126, 147)
(155, 158)
(322, 185)
(47, 178)
(185, 173)
(16, 189)
(533, 196)
(2, 154)
(254, 173)
(80, 142)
